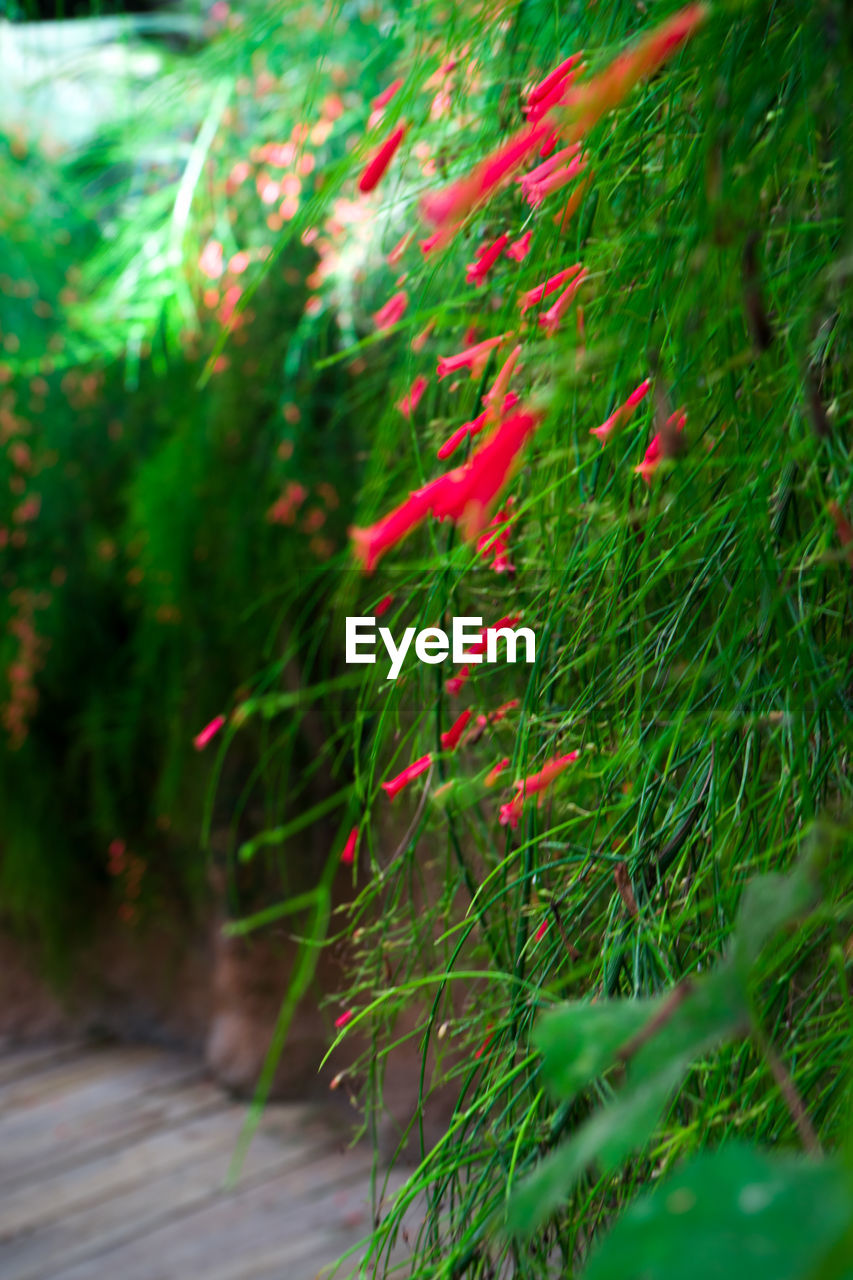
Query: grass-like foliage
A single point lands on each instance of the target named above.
(653, 239)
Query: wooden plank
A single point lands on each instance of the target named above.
(320, 1200)
(18, 1063)
(136, 1212)
(117, 1070)
(145, 1160)
(76, 1138)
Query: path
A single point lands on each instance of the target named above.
(113, 1163)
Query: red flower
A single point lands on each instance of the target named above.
(474, 427)
(455, 683)
(495, 541)
(591, 101)
(549, 90)
(410, 402)
(399, 249)
(621, 415)
(408, 775)
(371, 544)
(344, 1018)
(470, 492)
(392, 311)
(520, 248)
(450, 739)
(550, 319)
(536, 782)
(348, 851)
(383, 606)
(542, 930)
(495, 772)
(201, 740)
(473, 358)
(488, 1040)
(663, 445)
(486, 258)
(446, 209)
(382, 157)
(531, 180)
(536, 191)
(382, 99)
(420, 339)
(534, 296)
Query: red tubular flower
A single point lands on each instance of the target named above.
(473, 489)
(534, 296)
(474, 359)
(474, 427)
(408, 775)
(382, 99)
(348, 851)
(495, 772)
(550, 320)
(843, 528)
(380, 160)
(486, 258)
(383, 606)
(488, 1040)
(659, 448)
(621, 415)
(392, 311)
(496, 396)
(495, 541)
(450, 739)
(520, 248)
(536, 192)
(534, 176)
(564, 217)
(399, 249)
(606, 90)
(542, 930)
(344, 1018)
(558, 79)
(410, 402)
(536, 782)
(371, 544)
(445, 209)
(454, 684)
(420, 339)
(201, 740)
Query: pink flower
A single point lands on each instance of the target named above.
(454, 684)
(210, 263)
(536, 782)
(663, 445)
(410, 402)
(420, 339)
(201, 740)
(383, 606)
(371, 544)
(348, 851)
(550, 320)
(344, 1018)
(621, 415)
(520, 248)
(495, 772)
(408, 775)
(474, 359)
(534, 296)
(542, 930)
(382, 157)
(450, 739)
(486, 258)
(471, 491)
(392, 311)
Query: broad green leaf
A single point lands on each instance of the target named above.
(713, 1009)
(606, 1139)
(579, 1041)
(736, 1213)
(768, 903)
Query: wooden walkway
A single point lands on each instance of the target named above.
(113, 1163)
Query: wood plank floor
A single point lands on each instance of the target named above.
(113, 1164)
